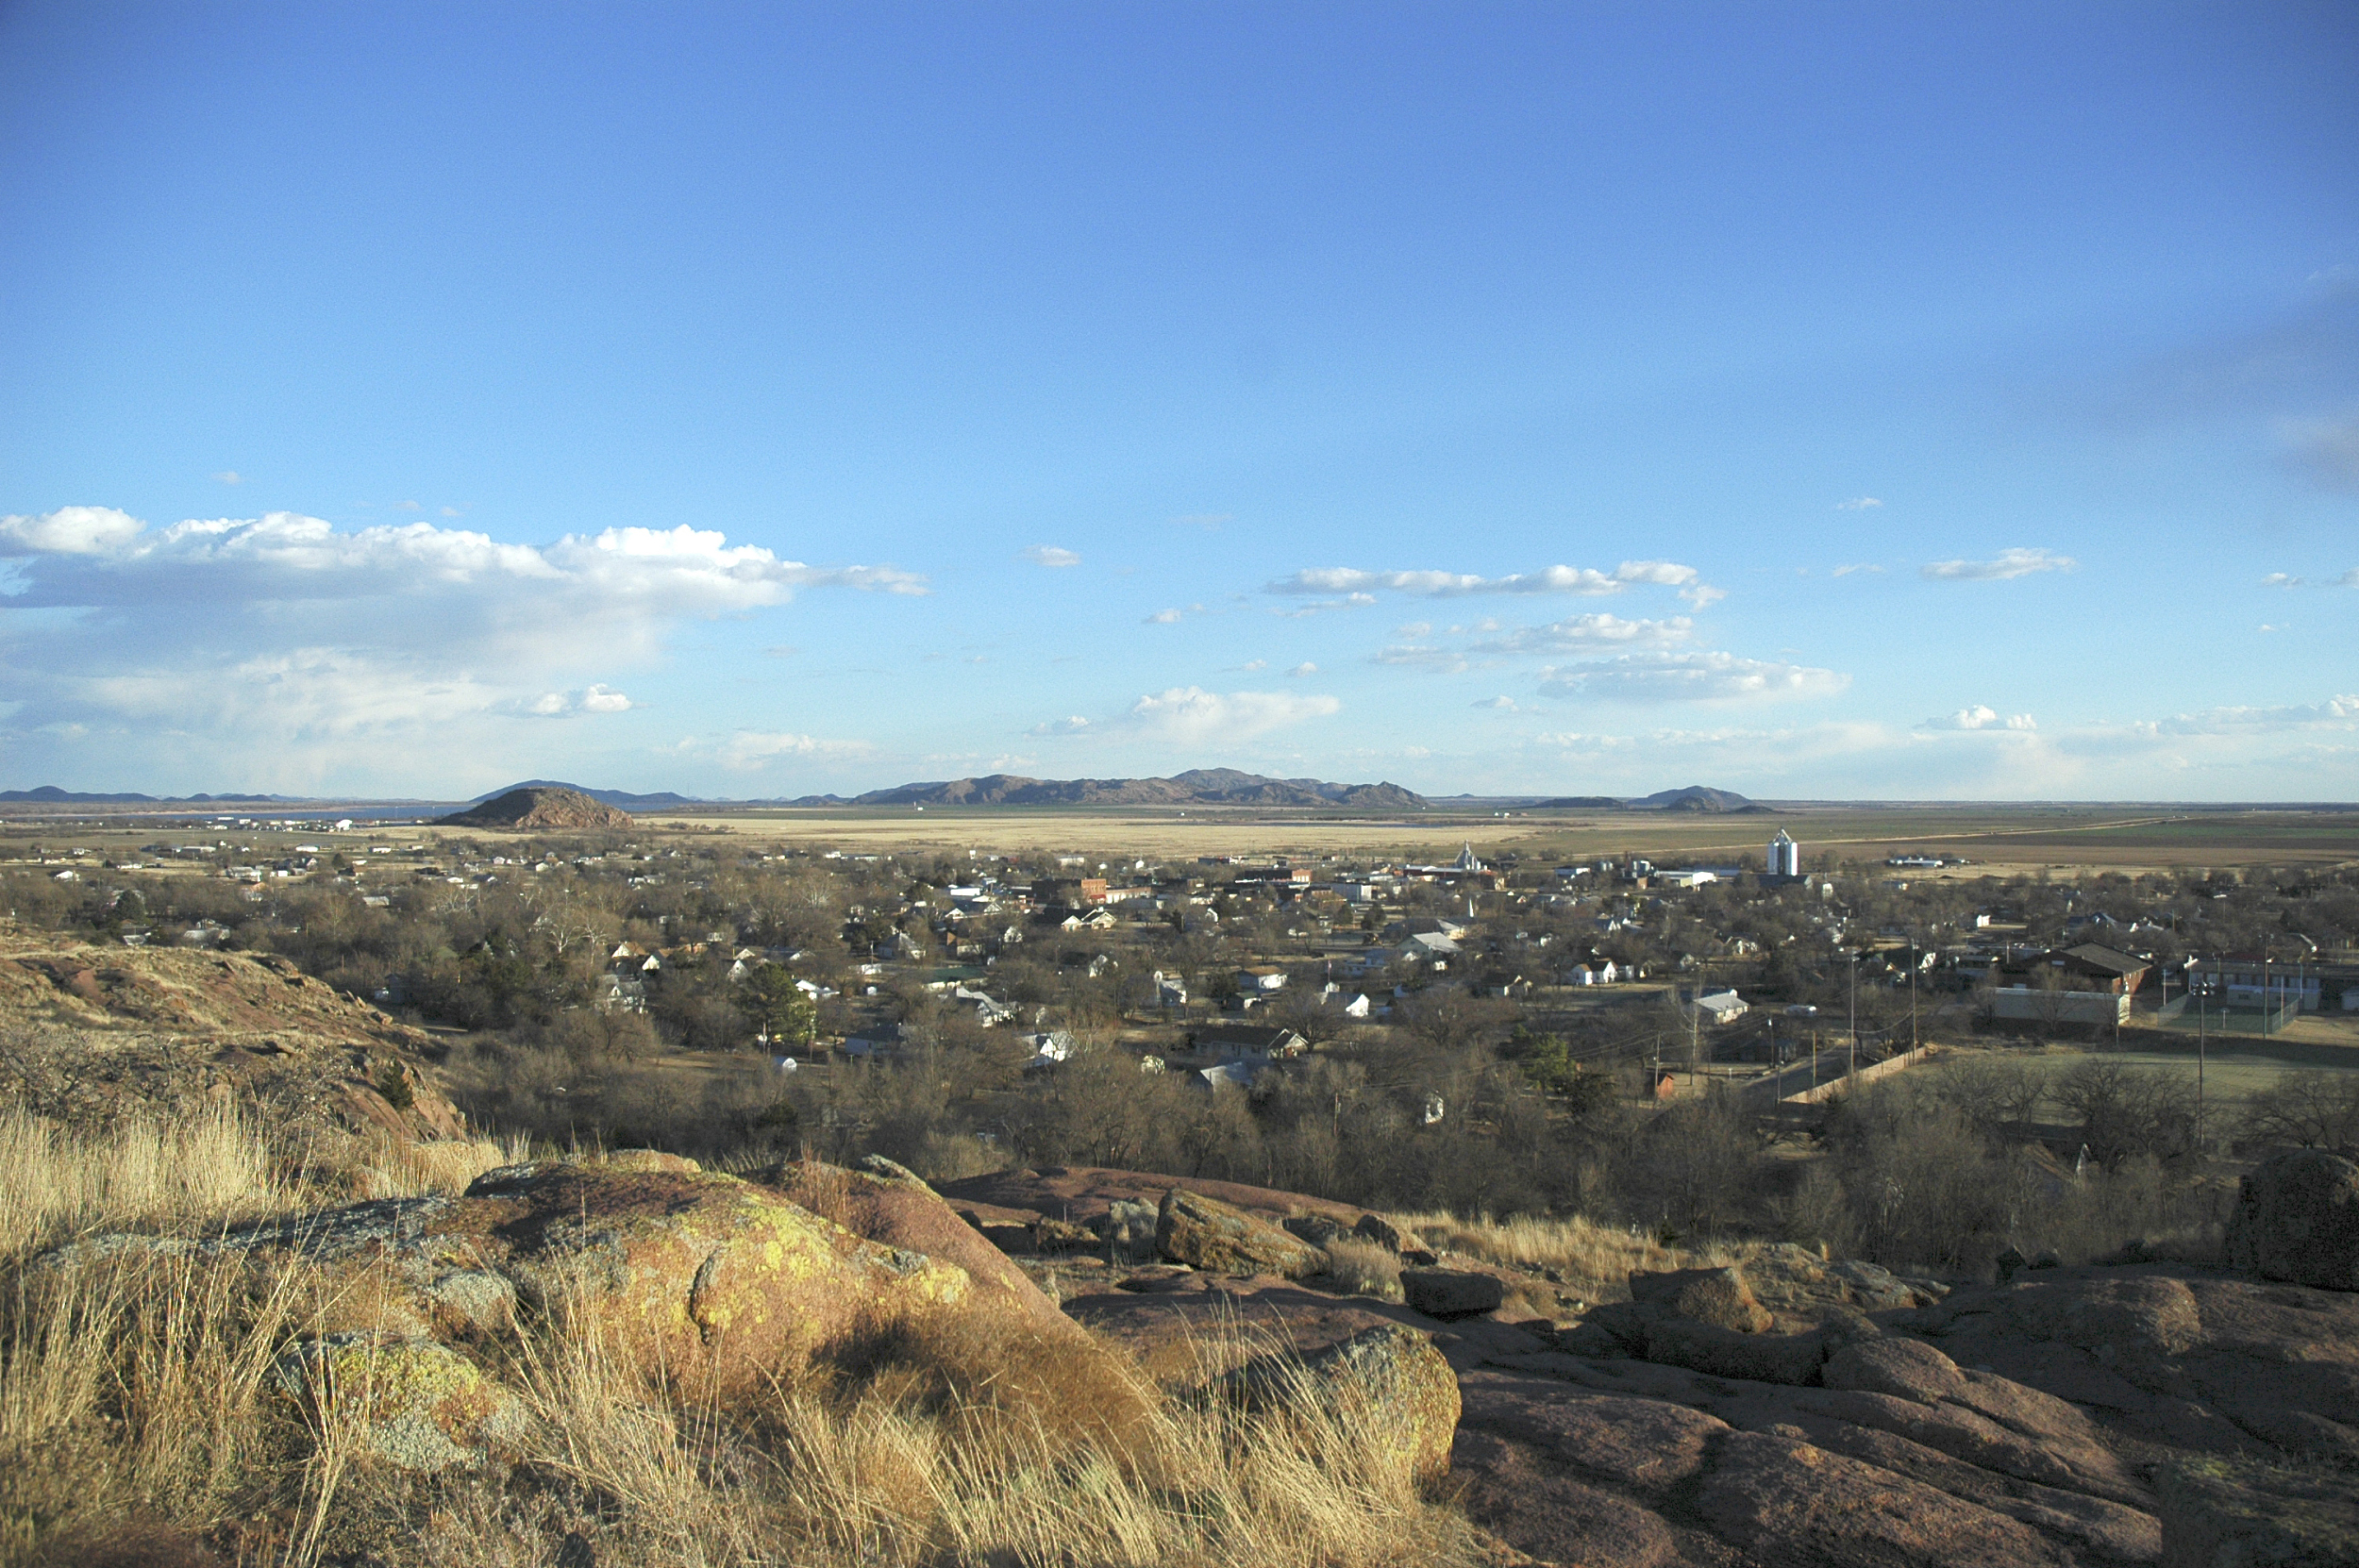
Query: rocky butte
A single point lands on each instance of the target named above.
(543, 808)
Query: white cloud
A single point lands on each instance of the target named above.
(1305, 668)
(1862, 503)
(1689, 678)
(69, 531)
(452, 511)
(1504, 705)
(1416, 629)
(1164, 618)
(1447, 585)
(1980, 717)
(2280, 579)
(1847, 570)
(1050, 555)
(1190, 715)
(230, 476)
(1591, 631)
(289, 635)
(1252, 664)
(2016, 562)
(1072, 726)
(2349, 579)
(2335, 712)
(1668, 574)
(591, 699)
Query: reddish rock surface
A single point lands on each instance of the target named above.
(1084, 1193)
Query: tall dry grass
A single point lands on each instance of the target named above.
(142, 1421)
(1591, 1261)
(208, 1164)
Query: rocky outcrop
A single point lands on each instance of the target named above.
(90, 1035)
(552, 808)
(2296, 1218)
(411, 1403)
(1205, 1233)
(2231, 1513)
(1447, 1293)
(711, 1282)
(885, 1204)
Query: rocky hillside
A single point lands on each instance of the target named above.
(1785, 1410)
(87, 1033)
(1795, 1410)
(556, 809)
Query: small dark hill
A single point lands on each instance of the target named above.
(661, 801)
(1697, 797)
(527, 809)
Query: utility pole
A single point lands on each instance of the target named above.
(1852, 1035)
(1912, 997)
(2203, 1008)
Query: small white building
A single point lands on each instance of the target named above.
(1721, 1006)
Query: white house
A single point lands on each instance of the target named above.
(1263, 979)
(1721, 1006)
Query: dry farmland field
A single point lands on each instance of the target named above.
(1999, 840)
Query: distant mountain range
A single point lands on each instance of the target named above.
(49, 795)
(1197, 787)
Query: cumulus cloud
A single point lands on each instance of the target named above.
(590, 699)
(2280, 579)
(1857, 502)
(1591, 631)
(1504, 705)
(1050, 555)
(1190, 715)
(1449, 585)
(1980, 717)
(1305, 668)
(1574, 634)
(1165, 618)
(288, 631)
(1689, 678)
(2335, 712)
(2016, 562)
(1074, 724)
(230, 476)
(69, 531)
(1847, 570)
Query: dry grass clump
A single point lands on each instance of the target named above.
(211, 1164)
(1589, 1261)
(207, 1167)
(1362, 1268)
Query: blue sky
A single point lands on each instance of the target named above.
(1851, 401)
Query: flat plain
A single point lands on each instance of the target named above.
(1999, 840)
